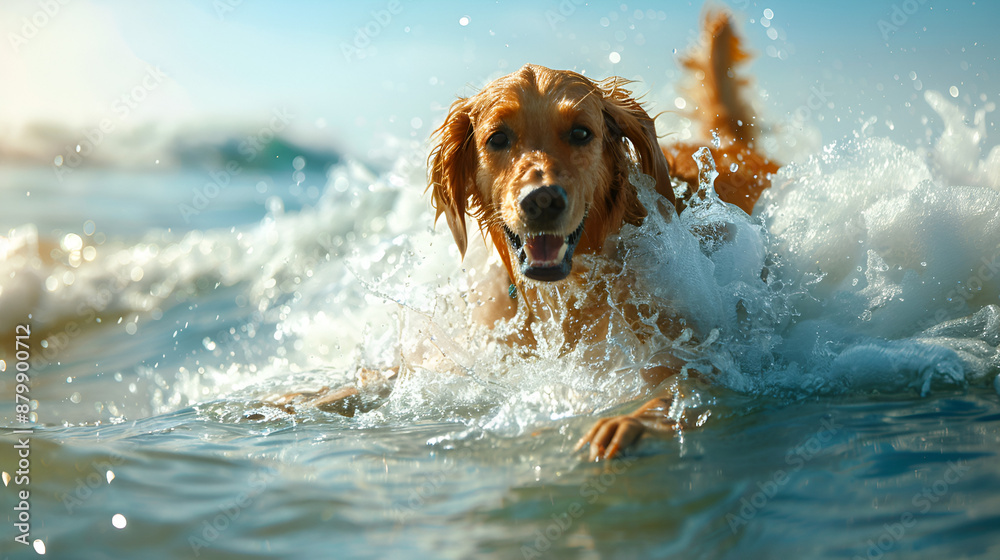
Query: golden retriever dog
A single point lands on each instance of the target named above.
(541, 161)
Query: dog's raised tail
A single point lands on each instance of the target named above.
(716, 88)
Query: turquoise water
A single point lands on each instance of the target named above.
(855, 470)
(851, 398)
(822, 451)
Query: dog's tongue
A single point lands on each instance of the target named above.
(545, 250)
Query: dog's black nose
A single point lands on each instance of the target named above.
(544, 205)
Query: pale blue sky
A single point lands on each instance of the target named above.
(238, 65)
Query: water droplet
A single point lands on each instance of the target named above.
(615, 58)
(71, 242)
(275, 205)
(734, 167)
(119, 521)
(953, 91)
(464, 20)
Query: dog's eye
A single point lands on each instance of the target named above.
(580, 135)
(498, 141)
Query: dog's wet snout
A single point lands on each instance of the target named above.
(544, 205)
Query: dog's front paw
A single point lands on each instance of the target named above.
(611, 435)
(370, 391)
(345, 401)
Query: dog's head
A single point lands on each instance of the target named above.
(541, 159)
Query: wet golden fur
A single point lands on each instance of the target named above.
(542, 105)
(537, 129)
(531, 129)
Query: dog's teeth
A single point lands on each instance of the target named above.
(542, 251)
(558, 258)
(562, 252)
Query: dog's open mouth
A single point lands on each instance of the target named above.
(545, 256)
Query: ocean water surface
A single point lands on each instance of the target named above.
(849, 396)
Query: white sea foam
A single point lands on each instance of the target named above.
(866, 267)
(886, 252)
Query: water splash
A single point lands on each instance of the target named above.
(856, 272)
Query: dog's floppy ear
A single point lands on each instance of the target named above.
(451, 166)
(627, 120)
